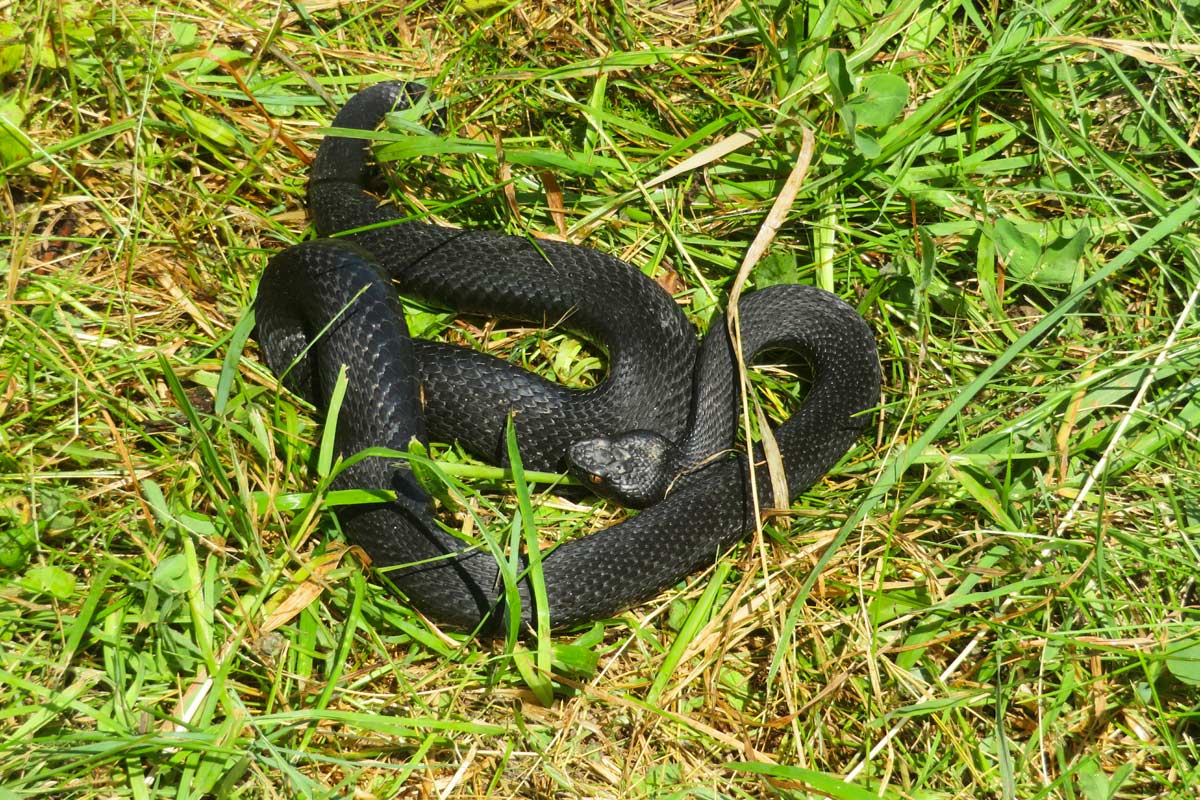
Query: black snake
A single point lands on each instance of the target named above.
(331, 303)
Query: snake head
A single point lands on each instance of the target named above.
(634, 468)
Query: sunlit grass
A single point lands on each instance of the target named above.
(993, 596)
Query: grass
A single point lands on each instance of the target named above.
(993, 596)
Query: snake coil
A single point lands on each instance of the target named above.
(331, 303)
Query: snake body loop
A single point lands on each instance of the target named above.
(331, 304)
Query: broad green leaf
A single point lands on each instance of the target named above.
(12, 48)
(16, 532)
(214, 130)
(880, 99)
(867, 144)
(184, 34)
(1029, 261)
(575, 661)
(1183, 660)
(12, 143)
(889, 605)
(538, 682)
(171, 574)
(1060, 261)
(1092, 782)
(1017, 249)
(779, 266)
(841, 87)
(51, 580)
(841, 82)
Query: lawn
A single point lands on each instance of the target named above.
(993, 595)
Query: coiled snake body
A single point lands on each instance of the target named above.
(330, 303)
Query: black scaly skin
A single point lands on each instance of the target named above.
(341, 287)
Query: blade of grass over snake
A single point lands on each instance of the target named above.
(533, 572)
(329, 433)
